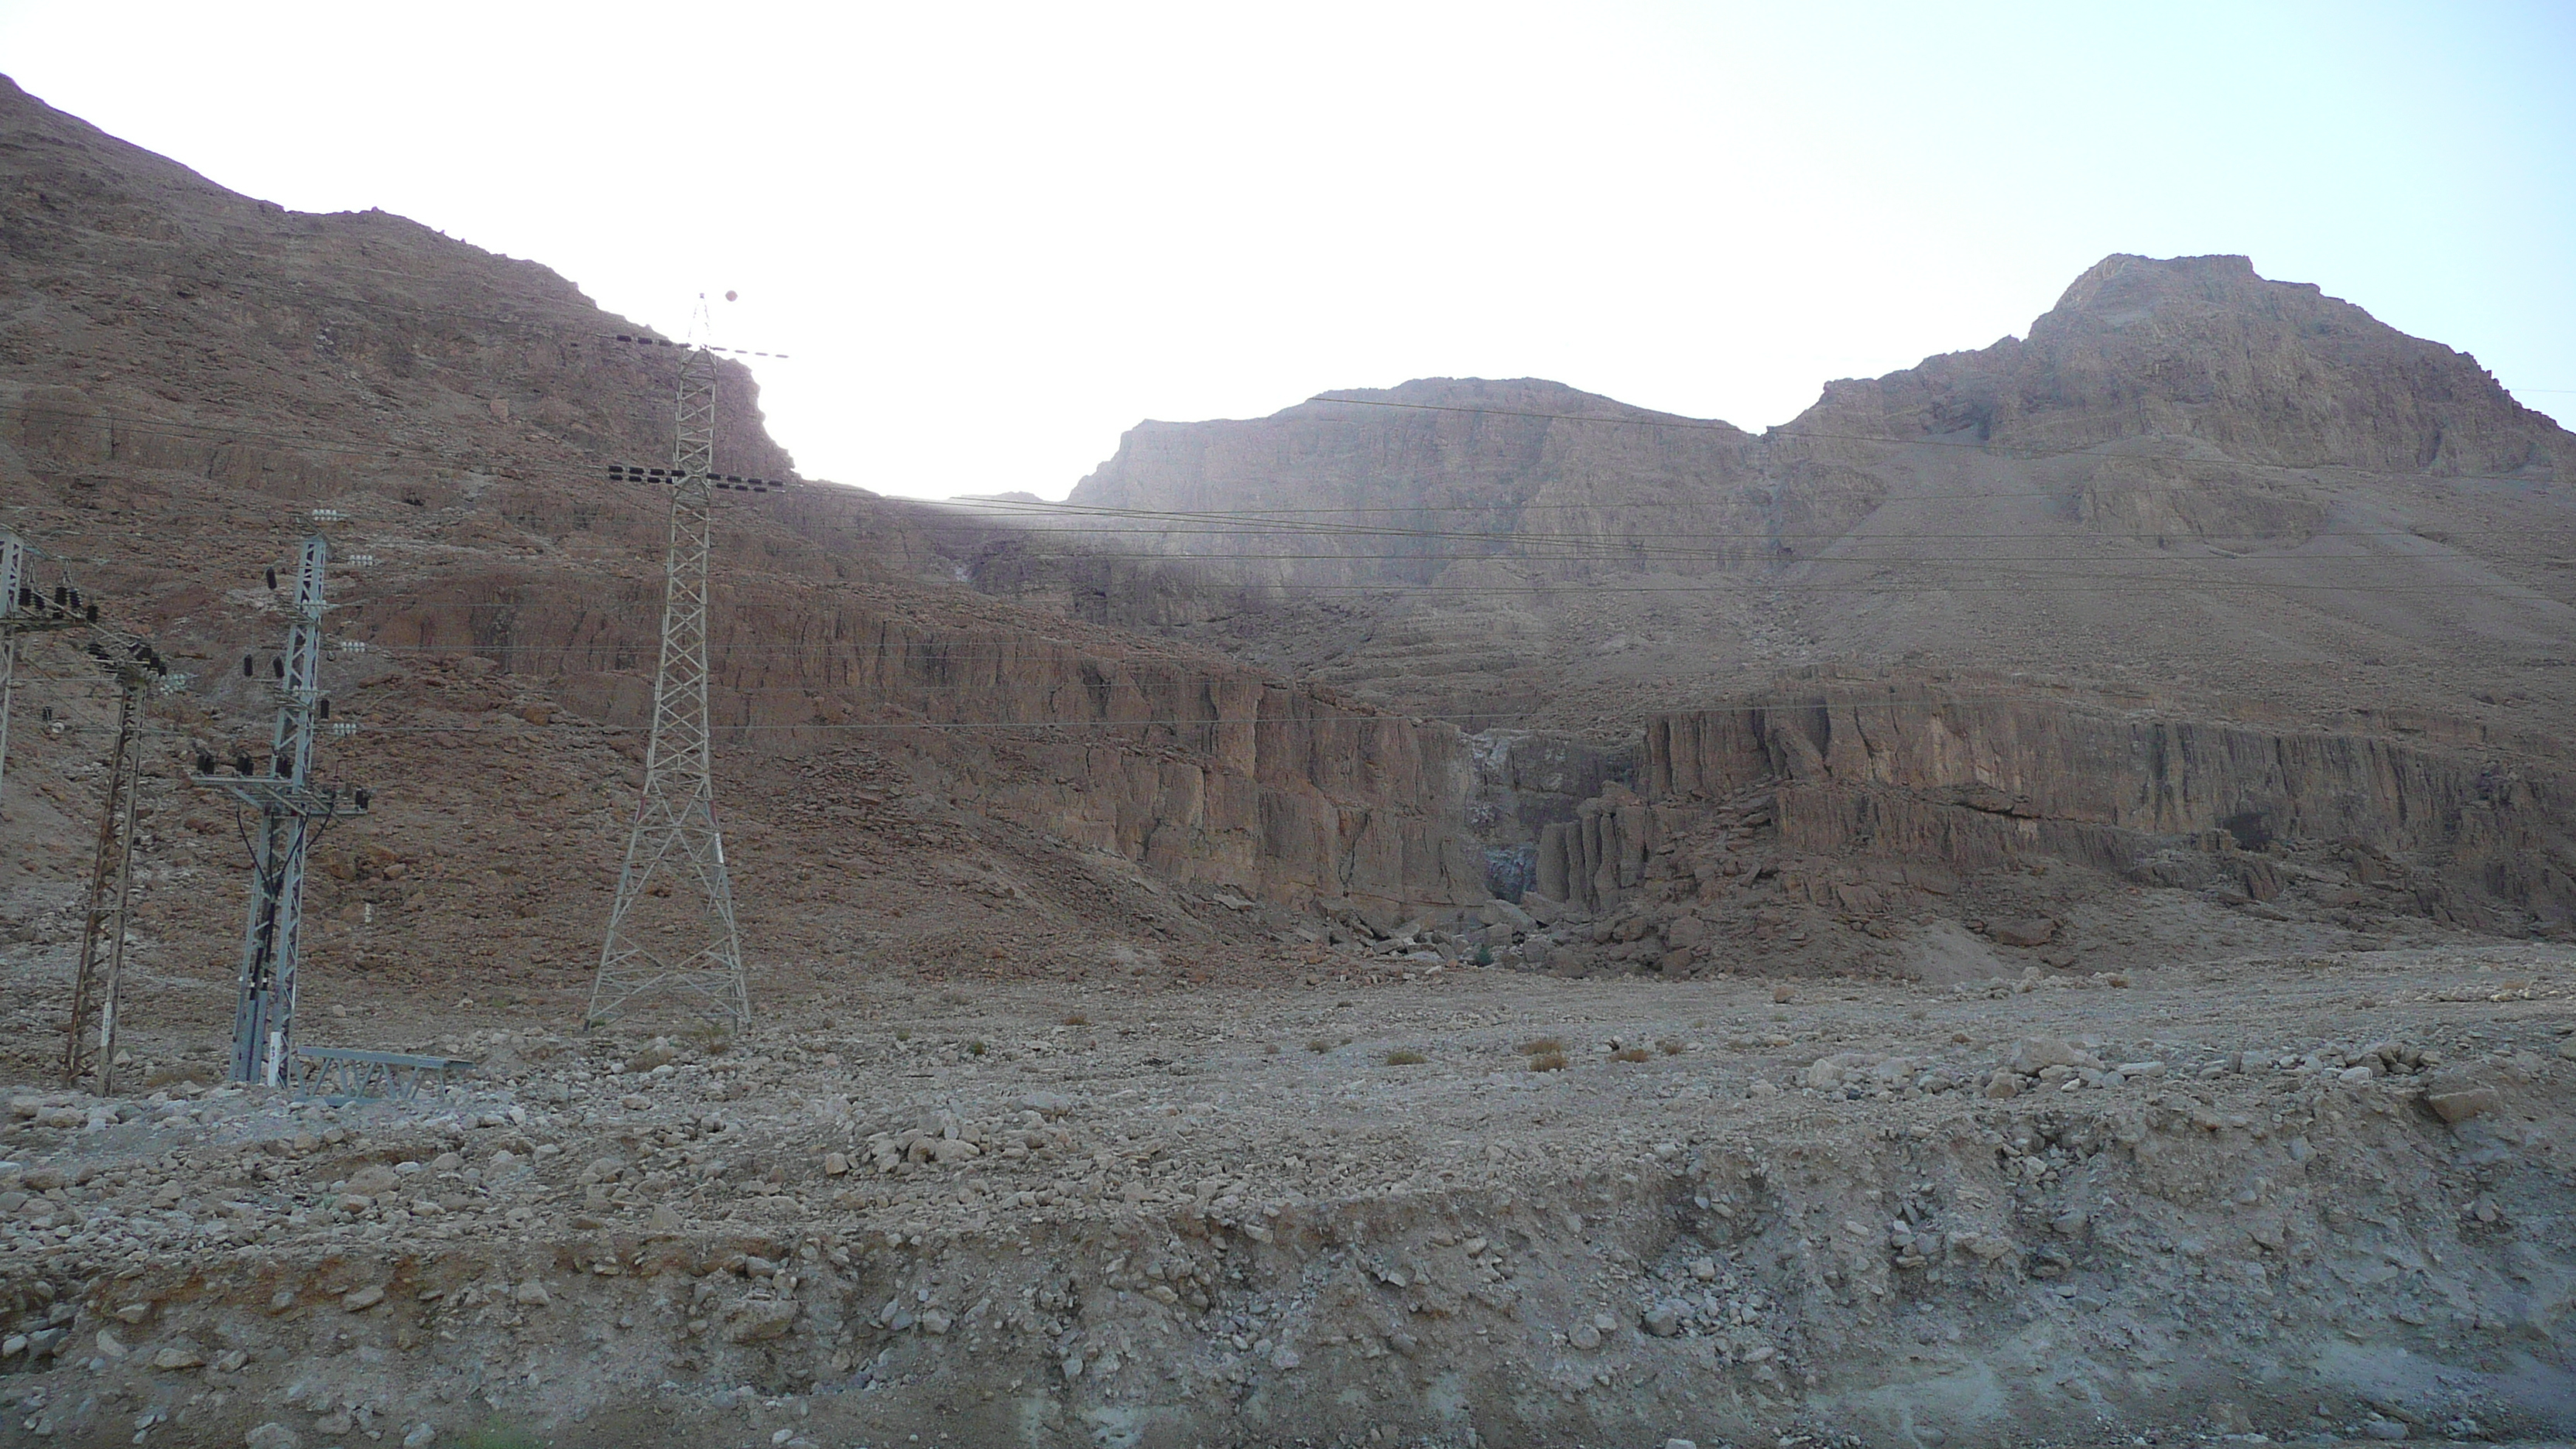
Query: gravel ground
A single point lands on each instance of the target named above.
(2310, 1198)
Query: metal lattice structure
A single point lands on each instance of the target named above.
(13, 585)
(658, 942)
(22, 611)
(338, 1075)
(99, 978)
(291, 812)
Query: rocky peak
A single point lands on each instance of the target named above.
(2211, 359)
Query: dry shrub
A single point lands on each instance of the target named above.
(1632, 1054)
(1547, 1062)
(1402, 1058)
(1541, 1046)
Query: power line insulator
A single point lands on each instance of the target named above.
(362, 797)
(272, 578)
(205, 763)
(326, 706)
(277, 666)
(241, 766)
(246, 667)
(92, 615)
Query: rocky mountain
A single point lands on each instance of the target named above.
(2237, 491)
(916, 775)
(2200, 500)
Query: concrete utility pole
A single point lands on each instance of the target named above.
(690, 947)
(291, 810)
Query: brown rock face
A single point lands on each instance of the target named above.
(913, 774)
(1942, 774)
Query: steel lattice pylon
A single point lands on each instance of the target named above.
(98, 979)
(292, 810)
(675, 843)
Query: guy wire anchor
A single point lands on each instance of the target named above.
(293, 812)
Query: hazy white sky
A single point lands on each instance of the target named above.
(997, 235)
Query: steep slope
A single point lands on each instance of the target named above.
(916, 775)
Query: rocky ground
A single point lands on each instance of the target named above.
(1406, 1201)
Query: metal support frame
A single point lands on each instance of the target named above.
(97, 982)
(291, 811)
(20, 615)
(13, 579)
(681, 949)
(338, 1075)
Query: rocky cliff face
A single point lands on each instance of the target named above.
(915, 773)
(1861, 813)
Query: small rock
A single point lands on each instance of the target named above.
(2004, 1084)
(835, 1164)
(1681, 1444)
(1285, 1359)
(420, 1437)
(532, 1293)
(1704, 1269)
(2355, 1076)
(658, 1053)
(1665, 1318)
(359, 1300)
(762, 1319)
(333, 1425)
(373, 1180)
(176, 1357)
(1783, 995)
(2463, 1103)
(935, 1322)
(1584, 1336)
(2567, 1049)
(272, 1436)
(2070, 1224)
(2036, 931)
(2033, 1054)
(2384, 1429)
(109, 1348)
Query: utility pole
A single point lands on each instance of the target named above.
(688, 945)
(99, 977)
(292, 809)
(13, 593)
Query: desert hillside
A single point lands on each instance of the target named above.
(2031, 904)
